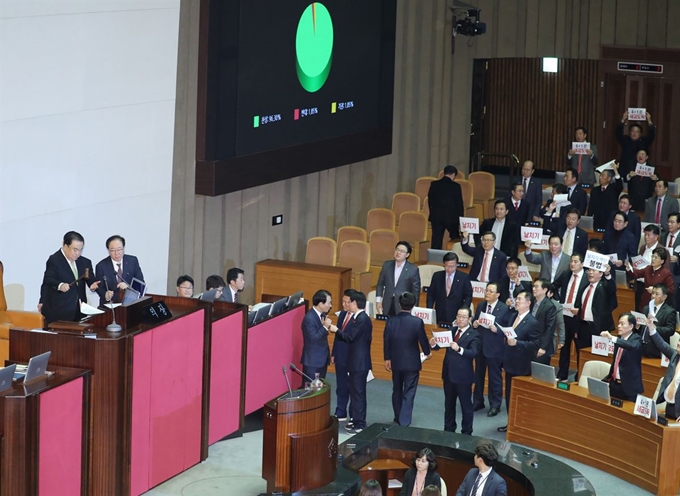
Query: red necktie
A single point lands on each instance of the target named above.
(585, 301)
(616, 362)
(516, 206)
(346, 321)
(483, 273)
(603, 189)
(658, 211)
(570, 298)
(119, 272)
(457, 337)
(579, 163)
(670, 242)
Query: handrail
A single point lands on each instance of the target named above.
(477, 161)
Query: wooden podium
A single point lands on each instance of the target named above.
(300, 442)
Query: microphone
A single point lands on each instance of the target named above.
(290, 390)
(113, 326)
(300, 372)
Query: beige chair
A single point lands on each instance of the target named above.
(413, 228)
(382, 242)
(423, 187)
(593, 368)
(380, 218)
(443, 489)
(485, 191)
(468, 190)
(531, 266)
(426, 213)
(460, 175)
(661, 406)
(357, 256)
(346, 233)
(321, 251)
(370, 304)
(462, 256)
(10, 319)
(405, 202)
(426, 273)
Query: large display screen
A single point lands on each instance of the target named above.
(292, 87)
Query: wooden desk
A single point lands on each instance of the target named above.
(652, 370)
(382, 470)
(44, 427)
(590, 431)
(281, 277)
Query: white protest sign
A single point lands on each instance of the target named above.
(639, 317)
(645, 224)
(423, 357)
(580, 148)
(508, 331)
(643, 406)
(561, 198)
(613, 257)
(600, 346)
(428, 315)
(443, 339)
(478, 289)
(664, 361)
(608, 166)
(567, 309)
(638, 262)
(596, 261)
(543, 245)
(637, 114)
(486, 319)
(532, 234)
(644, 170)
(469, 224)
(523, 273)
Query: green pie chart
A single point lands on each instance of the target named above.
(314, 47)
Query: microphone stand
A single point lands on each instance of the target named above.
(113, 326)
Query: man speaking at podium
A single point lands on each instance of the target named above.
(119, 270)
(63, 286)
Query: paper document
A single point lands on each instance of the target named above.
(89, 309)
(508, 331)
(567, 309)
(443, 339)
(112, 305)
(486, 319)
(259, 305)
(604, 167)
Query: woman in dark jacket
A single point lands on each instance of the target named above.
(421, 474)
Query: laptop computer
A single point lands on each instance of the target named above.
(139, 286)
(543, 373)
(251, 317)
(436, 256)
(599, 389)
(262, 312)
(7, 376)
(278, 306)
(293, 300)
(130, 296)
(37, 367)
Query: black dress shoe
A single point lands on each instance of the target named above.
(479, 406)
(492, 412)
(503, 429)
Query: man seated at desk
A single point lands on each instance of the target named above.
(214, 282)
(670, 386)
(185, 286)
(625, 373)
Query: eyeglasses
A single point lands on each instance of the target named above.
(116, 250)
(187, 287)
(488, 240)
(400, 251)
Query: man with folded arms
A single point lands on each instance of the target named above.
(625, 373)
(670, 386)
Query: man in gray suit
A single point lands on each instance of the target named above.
(583, 163)
(670, 386)
(661, 205)
(397, 277)
(235, 284)
(553, 262)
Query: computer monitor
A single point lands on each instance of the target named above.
(599, 389)
(139, 286)
(262, 313)
(543, 373)
(278, 306)
(436, 256)
(37, 367)
(293, 300)
(7, 376)
(130, 296)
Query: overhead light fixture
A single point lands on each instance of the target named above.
(549, 64)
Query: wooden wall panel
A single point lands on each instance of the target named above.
(431, 124)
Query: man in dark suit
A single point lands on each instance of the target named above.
(519, 209)
(235, 284)
(553, 262)
(575, 239)
(66, 275)
(625, 373)
(510, 284)
(583, 163)
(457, 372)
(507, 232)
(545, 314)
(116, 271)
(661, 317)
(604, 199)
(520, 351)
(490, 354)
(670, 386)
(671, 240)
(618, 239)
(445, 200)
(570, 287)
(552, 216)
(339, 359)
(487, 262)
(633, 142)
(359, 335)
(575, 194)
(661, 205)
(403, 339)
(315, 327)
(396, 278)
(596, 305)
(214, 289)
(640, 187)
(484, 459)
(533, 188)
(633, 221)
(449, 290)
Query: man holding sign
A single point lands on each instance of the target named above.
(553, 262)
(670, 386)
(633, 142)
(604, 199)
(520, 351)
(596, 305)
(625, 373)
(640, 188)
(487, 262)
(661, 317)
(583, 156)
(661, 205)
(488, 317)
(457, 372)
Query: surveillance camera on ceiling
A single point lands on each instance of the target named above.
(469, 25)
